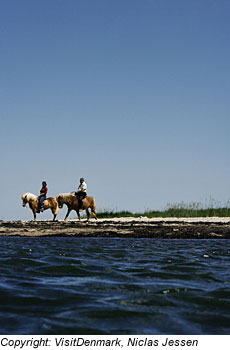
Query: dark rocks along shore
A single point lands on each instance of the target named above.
(114, 228)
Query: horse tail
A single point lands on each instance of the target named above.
(93, 205)
(56, 209)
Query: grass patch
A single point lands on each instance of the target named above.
(193, 209)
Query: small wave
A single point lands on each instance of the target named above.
(114, 286)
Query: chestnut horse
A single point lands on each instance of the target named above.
(49, 203)
(72, 204)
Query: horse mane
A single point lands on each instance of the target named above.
(29, 196)
(67, 197)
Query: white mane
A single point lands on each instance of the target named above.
(29, 196)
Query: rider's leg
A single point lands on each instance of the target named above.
(42, 198)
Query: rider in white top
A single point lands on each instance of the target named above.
(81, 192)
(82, 187)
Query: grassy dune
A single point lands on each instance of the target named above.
(194, 209)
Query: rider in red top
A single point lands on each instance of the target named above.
(43, 193)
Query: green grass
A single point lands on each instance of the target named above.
(194, 209)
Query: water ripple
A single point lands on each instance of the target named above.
(114, 286)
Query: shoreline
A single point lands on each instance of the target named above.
(126, 227)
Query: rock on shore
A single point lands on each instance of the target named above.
(213, 228)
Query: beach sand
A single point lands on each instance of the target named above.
(201, 228)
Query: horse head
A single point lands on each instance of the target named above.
(60, 201)
(24, 200)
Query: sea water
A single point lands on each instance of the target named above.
(114, 286)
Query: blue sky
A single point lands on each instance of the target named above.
(132, 95)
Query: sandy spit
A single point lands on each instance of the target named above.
(142, 227)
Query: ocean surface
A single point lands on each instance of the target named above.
(114, 286)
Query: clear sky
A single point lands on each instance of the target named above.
(133, 95)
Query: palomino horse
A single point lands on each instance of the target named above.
(72, 204)
(49, 203)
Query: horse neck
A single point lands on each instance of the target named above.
(67, 197)
(31, 196)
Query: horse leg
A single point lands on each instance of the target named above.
(53, 211)
(94, 213)
(34, 212)
(69, 210)
(78, 214)
(88, 214)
